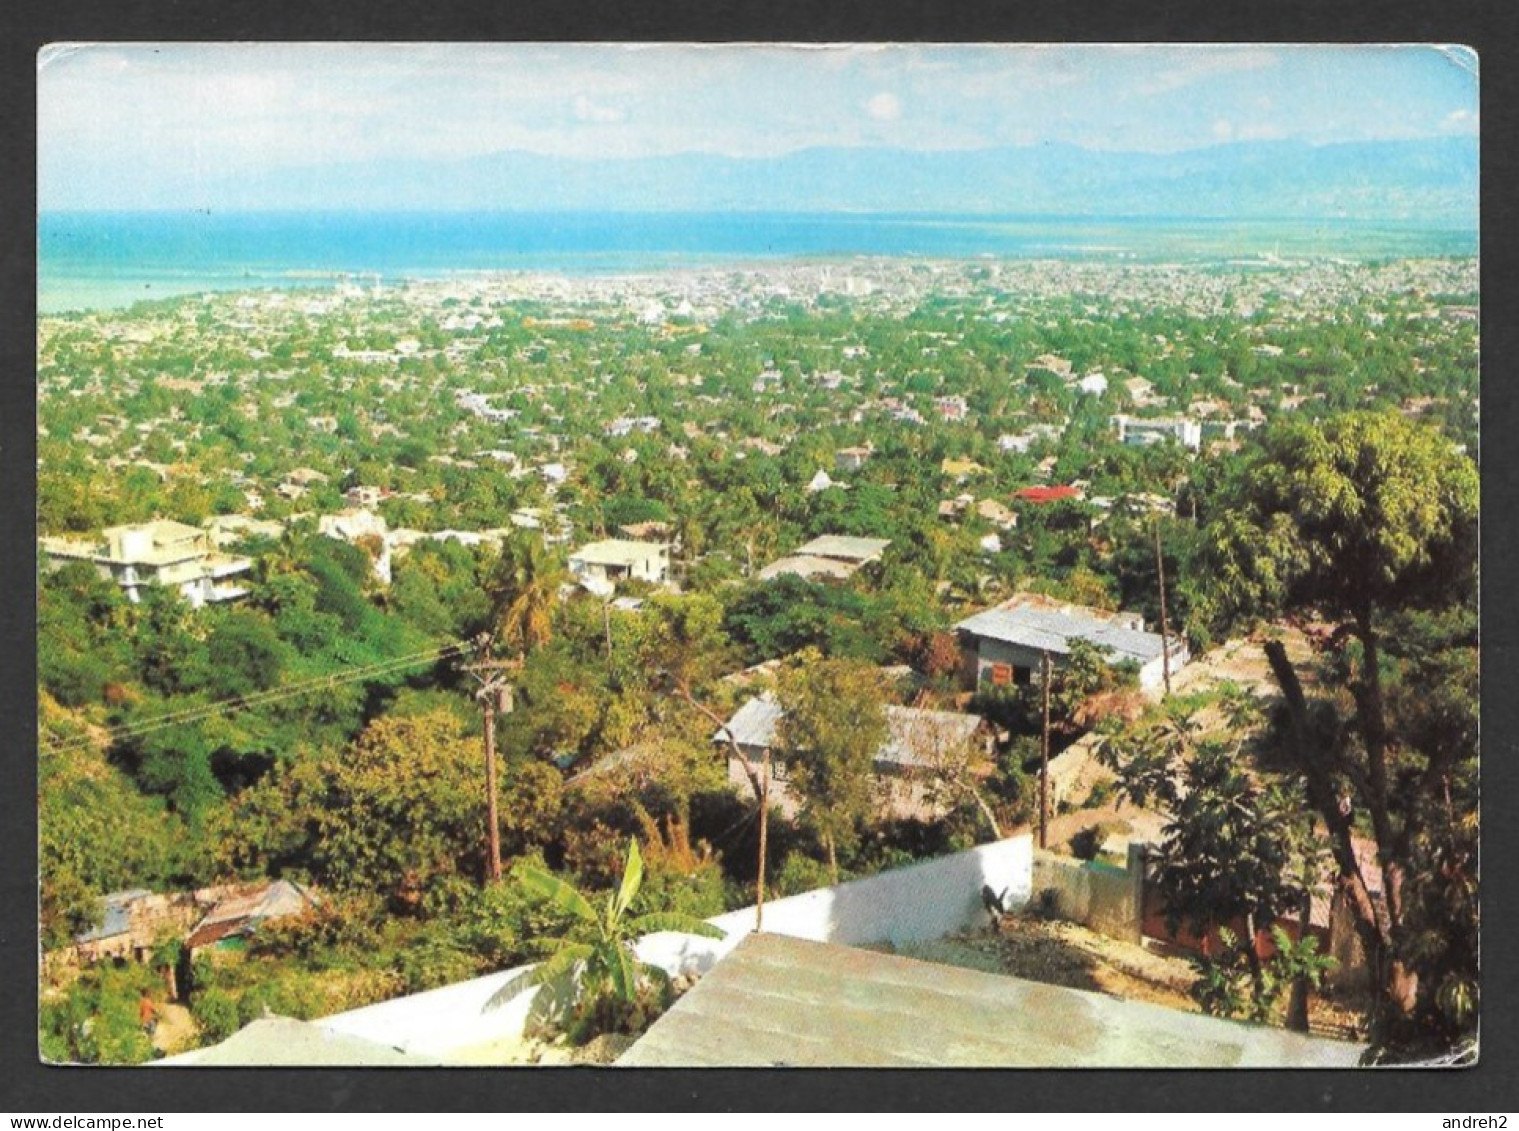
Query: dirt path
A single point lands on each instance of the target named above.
(1068, 954)
(176, 1030)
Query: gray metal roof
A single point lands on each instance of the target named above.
(808, 566)
(1052, 630)
(776, 1001)
(913, 736)
(754, 723)
(117, 915)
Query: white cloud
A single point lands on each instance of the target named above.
(1223, 129)
(884, 106)
(1206, 62)
(1259, 132)
(1461, 122)
(596, 113)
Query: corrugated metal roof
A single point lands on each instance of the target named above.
(913, 736)
(808, 565)
(1052, 630)
(619, 552)
(754, 723)
(777, 1001)
(250, 908)
(116, 915)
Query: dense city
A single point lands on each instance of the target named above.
(379, 619)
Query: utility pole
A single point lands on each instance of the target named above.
(1044, 755)
(1165, 642)
(764, 828)
(494, 694)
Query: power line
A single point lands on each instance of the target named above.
(263, 698)
(266, 697)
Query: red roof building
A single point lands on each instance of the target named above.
(1048, 494)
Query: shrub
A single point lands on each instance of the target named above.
(216, 1014)
(1087, 843)
(799, 873)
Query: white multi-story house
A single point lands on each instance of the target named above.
(155, 553)
(1137, 432)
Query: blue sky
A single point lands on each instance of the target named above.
(126, 126)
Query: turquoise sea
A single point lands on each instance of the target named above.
(90, 261)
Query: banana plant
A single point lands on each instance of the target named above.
(595, 957)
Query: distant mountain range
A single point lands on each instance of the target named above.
(1430, 181)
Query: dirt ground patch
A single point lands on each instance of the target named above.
(1068, 954)
(1064, 954)
(1243, 661)
(176, 1030)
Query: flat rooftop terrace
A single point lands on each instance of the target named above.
(776, 1001)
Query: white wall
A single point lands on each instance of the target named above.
(441, 1020)
(912, 904)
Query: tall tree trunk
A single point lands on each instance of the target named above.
(764, 837)
(1373, 726)
(1257, 971)
(1165, 631)
(833, 858)
(1373, 925)
(1297, 1004)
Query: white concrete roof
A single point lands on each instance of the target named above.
(775, 1001)
(844, 547)
(620, 552)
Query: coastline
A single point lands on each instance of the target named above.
(109, 261)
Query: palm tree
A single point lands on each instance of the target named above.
(525, 593)
(595, 957)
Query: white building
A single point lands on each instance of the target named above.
(362, 528)
(618, 560)
(155, 553)
(1007, 644)
(822, 481)
(1137, 432)
(832, 556)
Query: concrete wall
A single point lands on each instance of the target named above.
(1104, 897)
(1152, 675)
(988, 652)
(439, 1021)
(922, 901)
(913, 904)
